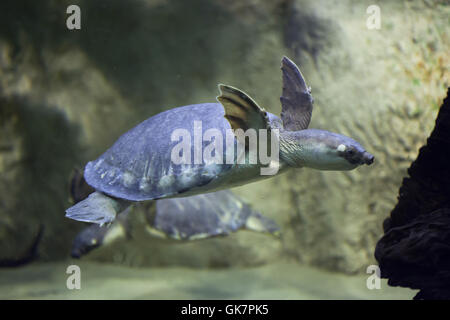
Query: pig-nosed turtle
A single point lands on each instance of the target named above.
(190, 218)
(140, 165)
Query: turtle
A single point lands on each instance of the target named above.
(184, 219)
(157, 159)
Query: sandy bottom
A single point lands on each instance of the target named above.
(103, 281)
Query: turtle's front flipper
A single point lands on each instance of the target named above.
(241, 111)
(296, 99)
(97, 208)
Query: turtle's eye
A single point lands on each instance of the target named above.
(341, 148)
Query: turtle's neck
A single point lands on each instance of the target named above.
(305, 148)
(290, 149)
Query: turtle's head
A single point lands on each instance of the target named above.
(323, 150)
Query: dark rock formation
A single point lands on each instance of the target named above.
(415, 250)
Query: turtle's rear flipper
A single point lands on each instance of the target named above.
(97, 208)
(259, 223)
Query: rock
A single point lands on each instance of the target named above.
(415, 250)
(417, 255)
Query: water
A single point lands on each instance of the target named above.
(71, 83)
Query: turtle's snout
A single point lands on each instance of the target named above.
(368, 158)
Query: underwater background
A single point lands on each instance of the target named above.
(67, 95)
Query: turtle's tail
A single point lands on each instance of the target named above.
(97, 208)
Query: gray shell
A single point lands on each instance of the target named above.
(138, 166)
